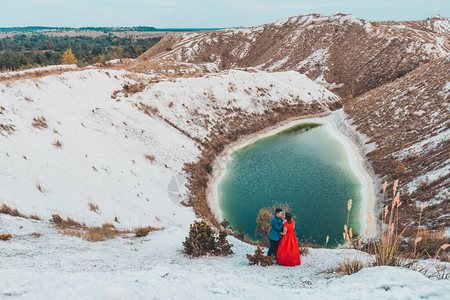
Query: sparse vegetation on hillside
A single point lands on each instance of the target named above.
(362, 56)
(388, 249)
(408, 120)
(39, 122)
(93, 207)
(348, 266)
(5, 209)
(97, 233)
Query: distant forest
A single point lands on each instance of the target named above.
(102, 29)
(29, 51)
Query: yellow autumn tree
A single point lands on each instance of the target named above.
(68, 58)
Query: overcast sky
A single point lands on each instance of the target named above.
(202, 13)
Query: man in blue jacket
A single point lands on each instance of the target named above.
(275, 230)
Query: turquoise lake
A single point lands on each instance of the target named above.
(305, 166)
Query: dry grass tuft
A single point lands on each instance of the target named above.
(144, 231)
(388, 249)
(57, 144)
(39, 187)
(34, 217)
(7, 129)
(35, 74)
(5, 237)
(429, 243)
(39, 122)
(129, 89)
(348, 266)
(150, 158)
(91, 234)
(93, 207)
(96, 234)
(71, 232)
(5, 209)
(68, 223)
(147, 109)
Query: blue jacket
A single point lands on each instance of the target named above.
(277, 227)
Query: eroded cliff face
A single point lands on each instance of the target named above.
(347, 55)
(407, 123)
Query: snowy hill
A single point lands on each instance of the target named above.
(343, 52)
(73, 139)
(111, 146)
(407, 122)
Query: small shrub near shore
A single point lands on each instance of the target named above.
(264, 218)
(260, 259)
(202, 240)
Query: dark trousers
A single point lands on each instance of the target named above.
(273, 248)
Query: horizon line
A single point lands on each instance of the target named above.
(207, 28)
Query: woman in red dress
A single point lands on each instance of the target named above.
(288, 251)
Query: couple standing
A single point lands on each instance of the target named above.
(283, 242)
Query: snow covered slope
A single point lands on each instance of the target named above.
(41, 264)
(116, 139)
(408, 124)
(343, 52)
(81, 137)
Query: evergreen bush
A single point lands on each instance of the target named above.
(202, 240)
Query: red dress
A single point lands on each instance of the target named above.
(288, 251)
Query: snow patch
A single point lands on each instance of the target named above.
(330, 86)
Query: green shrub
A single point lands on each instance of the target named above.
(222, 245)
(202, 240)
(260, 259)
(238, 233)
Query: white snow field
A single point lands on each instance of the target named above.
(53, 266)
(104, 141)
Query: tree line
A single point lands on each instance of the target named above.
(30, 51)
